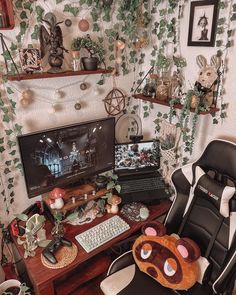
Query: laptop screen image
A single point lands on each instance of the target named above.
(142, 157)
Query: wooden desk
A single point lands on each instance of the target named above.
(44, 279)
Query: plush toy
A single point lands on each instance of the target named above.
(168, 259)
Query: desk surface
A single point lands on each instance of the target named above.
(42, 277)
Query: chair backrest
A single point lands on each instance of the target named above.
(204, 209)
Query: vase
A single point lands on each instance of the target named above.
(58, 230)
(150, 88)
(163, 87)
(90, 63)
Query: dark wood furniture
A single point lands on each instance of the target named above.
(212, 110)
(45, 75)
(86, 265)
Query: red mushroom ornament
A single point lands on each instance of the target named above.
(56, 198)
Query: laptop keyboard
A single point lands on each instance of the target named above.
(143, 184)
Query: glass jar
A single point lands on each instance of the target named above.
(150, 87)
(163, 87)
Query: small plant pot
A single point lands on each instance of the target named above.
(90, 63)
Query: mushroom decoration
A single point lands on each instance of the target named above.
(56, 198)
(112, 206)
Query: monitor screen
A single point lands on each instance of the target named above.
(65, 155)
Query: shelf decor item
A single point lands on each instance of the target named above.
(30, 60)
(52, 41)
(202, 23)
(95, 50)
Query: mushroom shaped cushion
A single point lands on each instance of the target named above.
(114, 201)
(56, 198)
(169, 260)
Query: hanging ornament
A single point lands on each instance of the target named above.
(26, 97)
(83, 86)
(27, 94)
(77, 106)
(120, 44)
(24, 102)
(83, 25)
(68, 22)
(57, 94)
(114, 102)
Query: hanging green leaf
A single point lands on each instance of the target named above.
(23, 15)
(18, 4)
(7, 170)
(9, 90)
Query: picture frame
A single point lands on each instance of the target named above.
(202, 23)
(30, 59)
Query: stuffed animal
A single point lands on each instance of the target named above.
(168, 259)
(207, 78)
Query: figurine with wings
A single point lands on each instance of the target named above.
(52, 42)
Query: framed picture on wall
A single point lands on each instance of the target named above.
(202, 23)
(30, 59)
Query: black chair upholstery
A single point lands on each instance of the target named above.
(202, 221)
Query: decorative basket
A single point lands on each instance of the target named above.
(168, 159)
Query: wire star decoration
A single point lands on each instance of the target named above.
(114, 102)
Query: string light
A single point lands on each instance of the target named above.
(26, 96)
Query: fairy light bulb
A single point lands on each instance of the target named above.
(77, 106)
(52, 109)
(57, 94)
(120, 44)
(24, 102)
(96, 90)
(26, 97)
(119, 60)
(83, 25)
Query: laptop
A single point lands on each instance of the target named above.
(136, 165)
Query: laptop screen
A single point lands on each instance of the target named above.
(143, 157)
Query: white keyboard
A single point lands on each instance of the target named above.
(102, 233)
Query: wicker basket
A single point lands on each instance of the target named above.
(168, 157)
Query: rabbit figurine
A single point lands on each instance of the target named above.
(207, 78)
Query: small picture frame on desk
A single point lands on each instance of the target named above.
(30, 59)
(202, 23)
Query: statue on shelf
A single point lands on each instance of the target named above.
(52, 42)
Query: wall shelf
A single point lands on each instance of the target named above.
(45, 75)
(176, 106)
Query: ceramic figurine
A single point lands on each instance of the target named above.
(208, 76)
(52, 42)
(56, 198)
(112, 206)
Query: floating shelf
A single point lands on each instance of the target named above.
(176, 106)
(45, 75)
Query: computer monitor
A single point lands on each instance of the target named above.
(64, 155)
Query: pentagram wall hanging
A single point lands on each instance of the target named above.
(114, 102)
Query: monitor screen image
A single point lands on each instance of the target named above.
(65, 155)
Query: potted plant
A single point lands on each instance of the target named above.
(95, 50)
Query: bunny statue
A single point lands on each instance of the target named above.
(208, 77)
